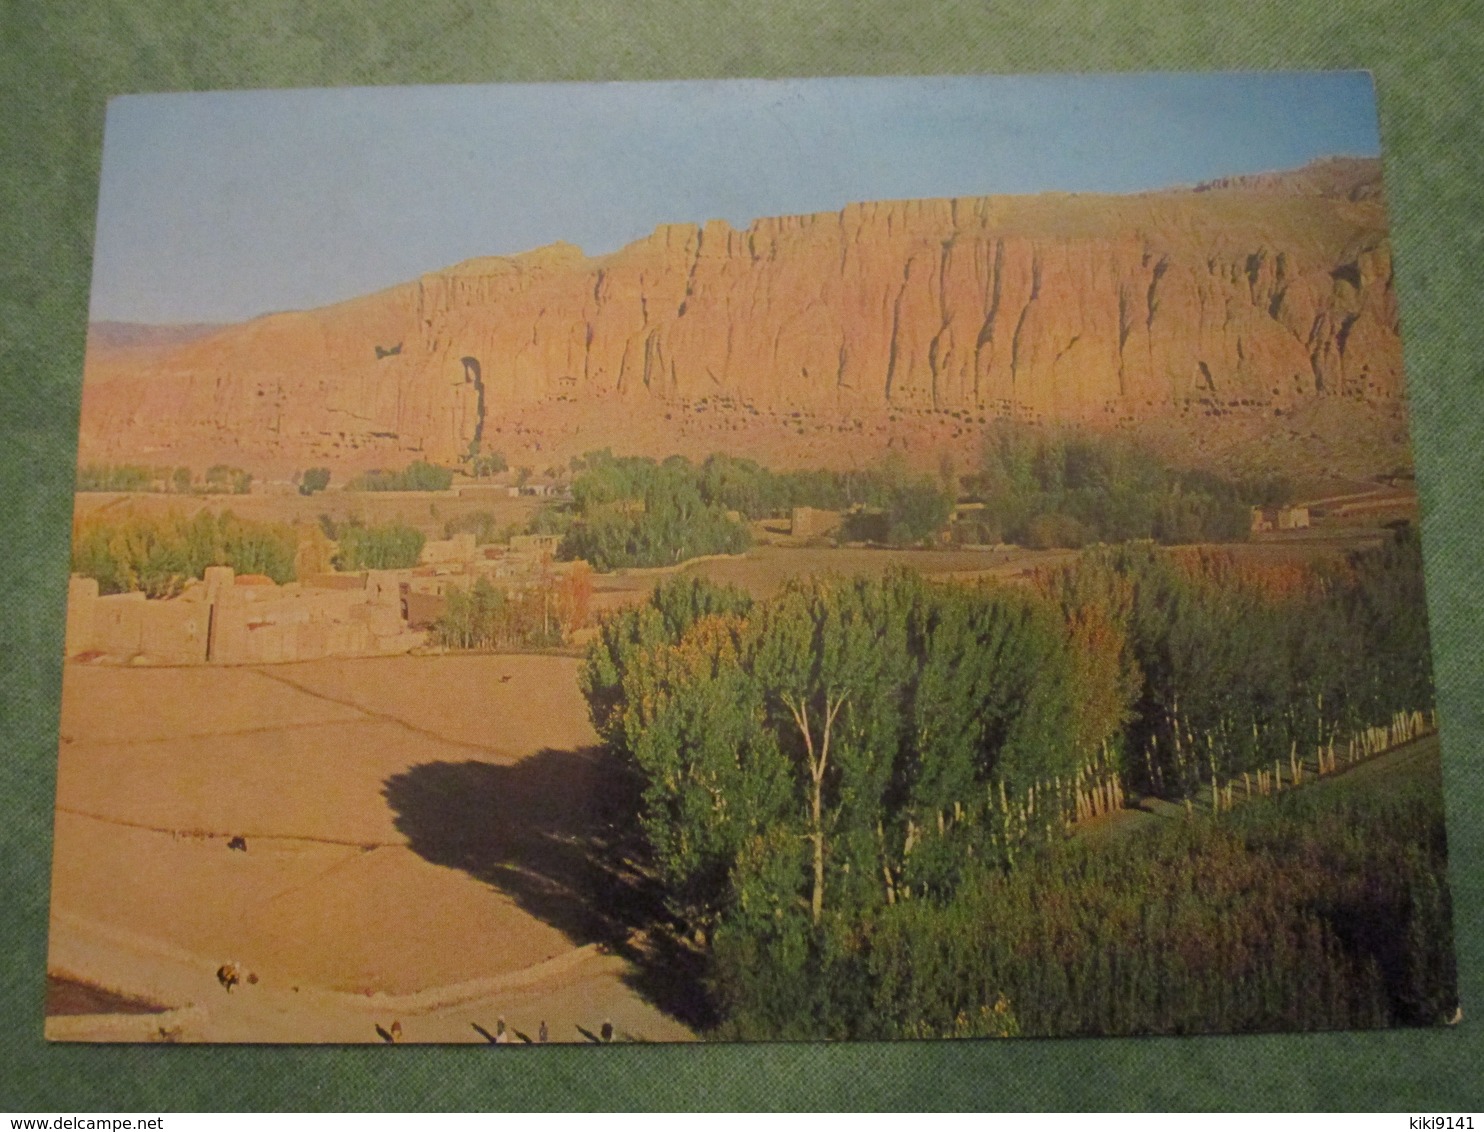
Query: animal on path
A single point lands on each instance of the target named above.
(500, 1037)
(229, 975)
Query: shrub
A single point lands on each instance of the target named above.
(121, 477)
(1050, 488)
(314, 479)
(545, 614)
(417, 476)
(159, 555)
(388, 546)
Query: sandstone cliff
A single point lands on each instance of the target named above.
(1247, 296)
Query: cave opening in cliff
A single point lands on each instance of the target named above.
(474, 376)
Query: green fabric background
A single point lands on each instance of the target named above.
(61, 61)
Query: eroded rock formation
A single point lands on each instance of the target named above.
(1252, 295)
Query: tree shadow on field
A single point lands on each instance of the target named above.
(556, 833)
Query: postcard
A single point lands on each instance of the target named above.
(851, 559)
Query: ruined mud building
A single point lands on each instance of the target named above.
(457, 563)
(247, 619)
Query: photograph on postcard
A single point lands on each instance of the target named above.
(747, 560)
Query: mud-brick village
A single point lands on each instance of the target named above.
(230, 618)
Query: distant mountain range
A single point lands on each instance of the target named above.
(104, 336)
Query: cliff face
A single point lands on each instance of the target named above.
(1253, 295)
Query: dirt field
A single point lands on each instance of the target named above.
(428, 511)
(763, 570)
(420, 843)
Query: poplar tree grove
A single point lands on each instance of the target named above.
(860, 796)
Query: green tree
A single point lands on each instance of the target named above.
(917, 511)
(158, 555)
(489, 464)
(673, 607)
(313, 480)
(387, 546)
(819, 644)
(109, 477)
(714, 775)
(417, 476)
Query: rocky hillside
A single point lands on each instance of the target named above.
(1250, 297)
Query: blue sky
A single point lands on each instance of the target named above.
(221, 206)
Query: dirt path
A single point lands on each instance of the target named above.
(1143, 813)
(406, 839)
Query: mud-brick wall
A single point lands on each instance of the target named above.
(247, 629)
(809, 522)
(82, 603)
(228, 624)
(169, 632)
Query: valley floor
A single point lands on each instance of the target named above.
(412, 839)
(416, 846)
